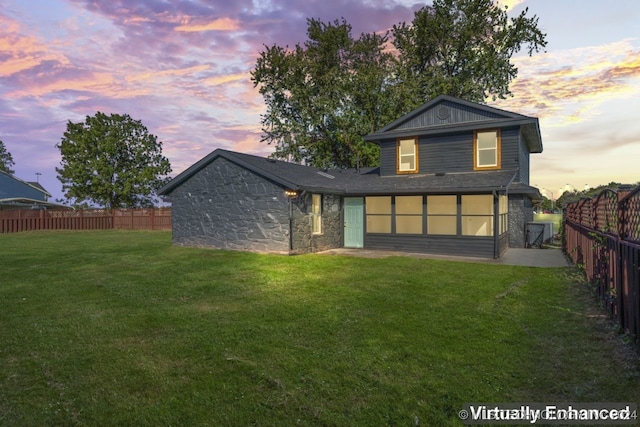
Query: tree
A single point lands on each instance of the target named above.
(323, 96)
(111, 161)
(463, 48)
(6, 160)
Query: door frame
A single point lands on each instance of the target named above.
(361, 219)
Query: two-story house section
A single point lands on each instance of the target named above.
(453, 179)
(470, 163)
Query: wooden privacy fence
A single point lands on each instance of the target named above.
(602, 234)
(13, 221)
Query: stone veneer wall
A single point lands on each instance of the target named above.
(520, 212)
(304, 240)
(228, 207)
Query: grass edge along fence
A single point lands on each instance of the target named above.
(602, 235)
(14, 221)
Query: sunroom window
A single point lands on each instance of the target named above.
(408, 214)
(378, 214)
(442, 215)
(477, 215)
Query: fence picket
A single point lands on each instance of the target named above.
(14, 221)
(603, 235)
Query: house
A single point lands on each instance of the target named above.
(453, 179)
(18, 194)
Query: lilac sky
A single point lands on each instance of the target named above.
(182, 68)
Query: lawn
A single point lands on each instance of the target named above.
(122, 328)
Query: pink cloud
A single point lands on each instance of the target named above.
(220, 24)
(547, 87)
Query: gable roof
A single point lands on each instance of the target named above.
(16, 193)
(13, 187)
(288, 175)
(366, 181)
(445, 114)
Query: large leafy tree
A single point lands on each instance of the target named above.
(463, 48)
(6, 160)
(111, 161)
(323, 96)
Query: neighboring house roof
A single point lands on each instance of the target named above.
(38, 186)
(365, 181)
(448, 114)
(16, 193)
(12, 186)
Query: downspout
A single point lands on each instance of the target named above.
(513, 178)
(290, 226)
(496, 225)
(497, 216)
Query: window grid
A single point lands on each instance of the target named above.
(407, 155)
(487, 150)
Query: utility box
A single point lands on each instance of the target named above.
(538, 233)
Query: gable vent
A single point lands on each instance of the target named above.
(443, 112)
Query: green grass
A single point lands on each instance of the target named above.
(121, 328)
(556, 219)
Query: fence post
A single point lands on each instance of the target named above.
(622, 294)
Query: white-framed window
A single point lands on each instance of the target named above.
(316, 213)
(407, 155)
(486, 149)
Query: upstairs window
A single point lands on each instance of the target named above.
(486, 150)
(407, 155)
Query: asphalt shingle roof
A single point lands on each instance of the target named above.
(365, 181)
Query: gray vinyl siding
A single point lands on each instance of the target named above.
(524, 165)
(481, 247)
(454, 153)
(388, 157)
(456, 114)
(510, 138)
(446, 153)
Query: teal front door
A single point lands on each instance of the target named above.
(353, 222)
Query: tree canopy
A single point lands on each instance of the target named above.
(463, 48)
(6, 160)
(111, 161)
(325, 95)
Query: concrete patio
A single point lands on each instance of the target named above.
(522, 257)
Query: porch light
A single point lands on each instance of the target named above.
(292, 194)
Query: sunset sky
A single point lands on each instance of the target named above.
(182, 68)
